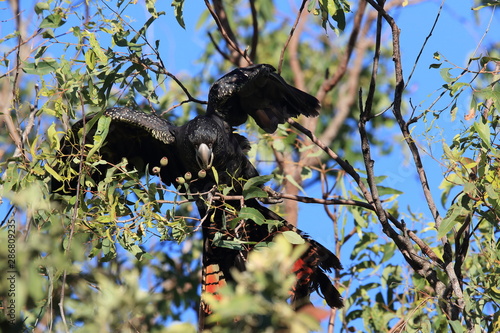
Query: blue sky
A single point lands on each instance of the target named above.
(456, 36)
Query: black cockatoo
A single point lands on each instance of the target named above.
(209, 141)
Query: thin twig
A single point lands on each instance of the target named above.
(160, 69)
(343, 164)
(255, 30)
(329, 84)
(425, 43)
(344, 202)
(282, 54)
(75, 213)
(362, 186)
(225, 31)
(217, 47)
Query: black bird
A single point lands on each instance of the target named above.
(145, 138)
(208, 141)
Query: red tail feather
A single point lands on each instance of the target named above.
(212, 279)
(310, 268)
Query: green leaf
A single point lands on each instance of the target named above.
(291, 180)
(457, 326)
(484, 60)
(100, 134)
(52, 172)
(96, 48)
(234, 244)
(142, 31)
(457, 86)
(366, 240)
(177, 327)
(455, 215)
(492, 191)
(382, 190)
(90, 59)
(445, 74)
(52, 136)
(306, 173)
(251, 188)
(388, 250)
(293, 237)
(40, 52)
(486, 3)
(447, 224)
(139, 253)
(488, 93)
(483, 130)
(41, 6)
(256, 181)
(279, 145)
(54, 20)
(254, 192)
(249, 213)
(358, 218)
(43, 67)
(141, 88)
(452, 154)
(178, 10)
(48, 34)
(216, 175)
(337, 14)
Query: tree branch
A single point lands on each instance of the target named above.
(239, 57)
(255, 30)
(290, 37)
(451, 308)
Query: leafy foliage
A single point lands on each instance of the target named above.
(127, 247)
(259, 300)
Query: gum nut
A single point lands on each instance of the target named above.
(156, 170)
(188, 176)
(164, 161)
(202, 173)
(180, 180)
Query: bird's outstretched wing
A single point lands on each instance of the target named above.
(143, 139)
(261, 93)
(159, 128)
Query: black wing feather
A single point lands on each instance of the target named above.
(261, 93)
(143, 139)
(161, 129)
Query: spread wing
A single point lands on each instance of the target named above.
(159, 128)
(261, 93)
(143, 139)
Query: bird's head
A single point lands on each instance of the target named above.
(203, 136)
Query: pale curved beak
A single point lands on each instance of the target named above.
(204, 157)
